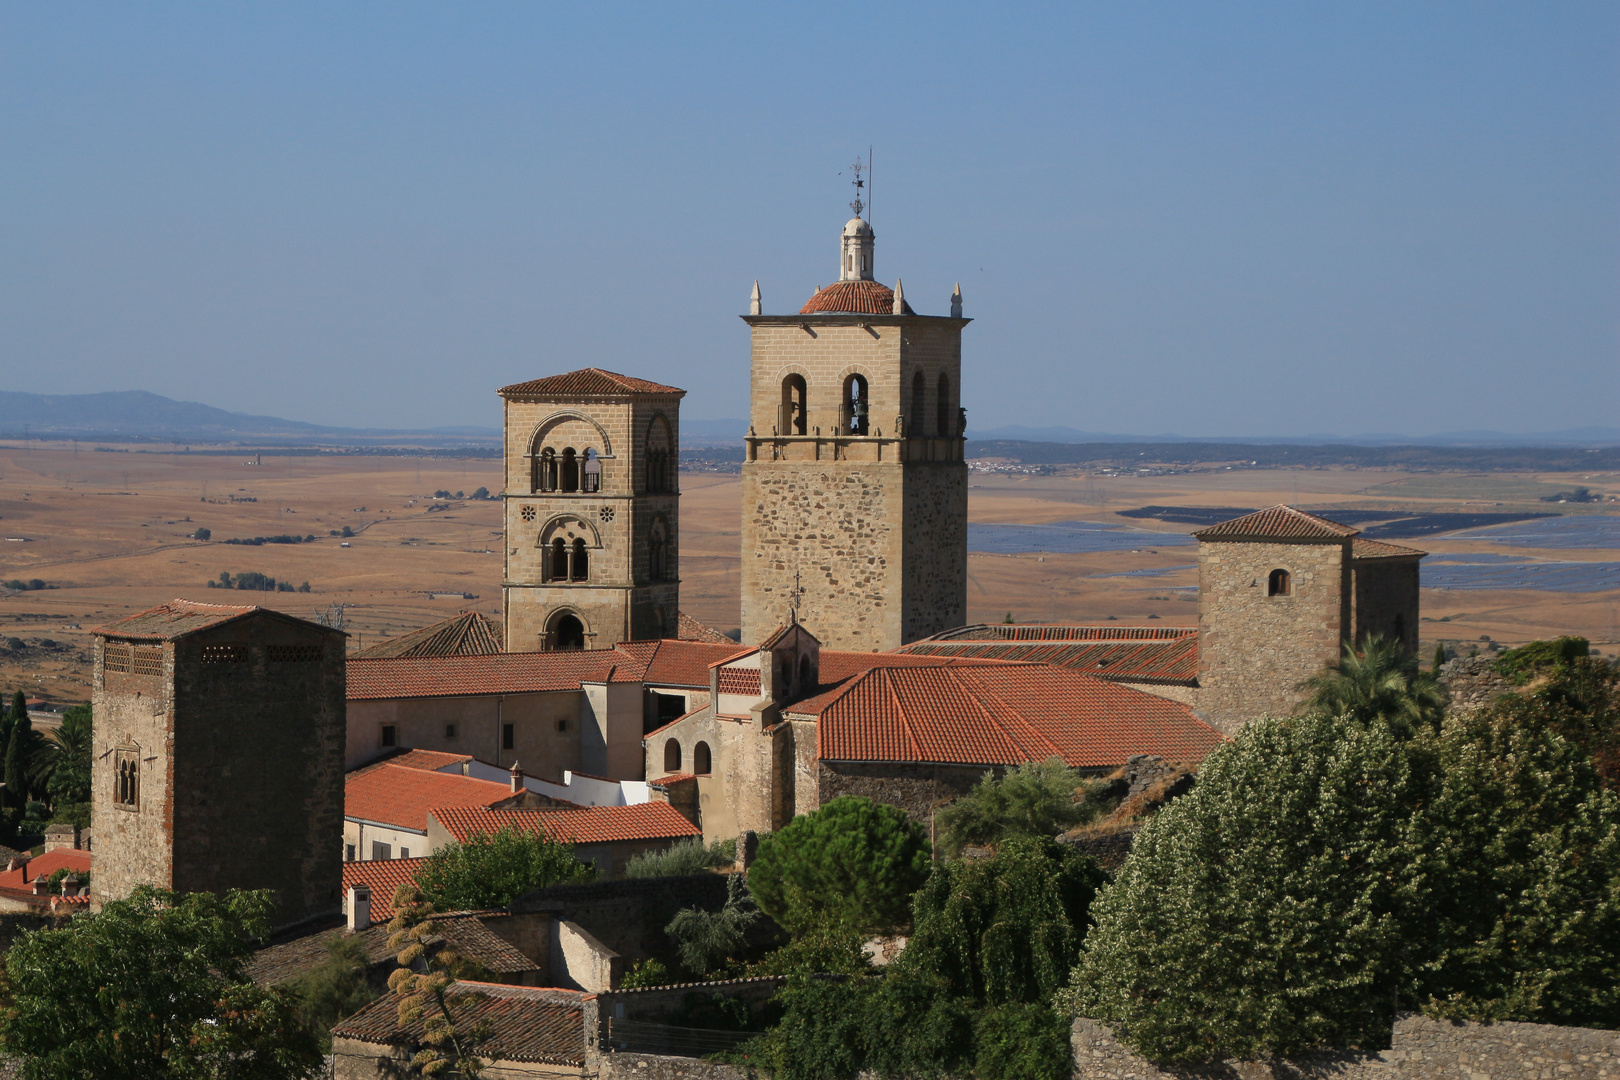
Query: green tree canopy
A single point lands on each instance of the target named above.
(1379, 681)
(853, 861)
(1262, 911)
(1579, 699)
(62, 762)
(1525, 662)
(153, 986)
(491, 870)
(1040, 798)
(706, 940)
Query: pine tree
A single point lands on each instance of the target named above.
(17, 755)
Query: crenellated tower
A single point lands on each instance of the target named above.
(854, 483)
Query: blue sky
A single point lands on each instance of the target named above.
(1222, 219)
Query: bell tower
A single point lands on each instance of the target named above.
(854, 483)
(592, 514)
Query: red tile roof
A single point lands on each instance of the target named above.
(429, 760)
(525, 1023)
(1377, 549)
(689, 629)
(674, 663)
(1166, 654)
(586, 382)
(382, 877)
(467, 634)
(1277, 523)
(853, 298)
(467, 676)
(590, 825)
(49, 863)
(1000, 715)
(175, 619)
(393, 795)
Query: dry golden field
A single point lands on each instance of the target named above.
(110, 530)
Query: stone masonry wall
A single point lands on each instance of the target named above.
(916, 789)
(935, 549)
(1419, 1048)
(1254, 649)
(1386, 592)
(132, 717)
(1472, 682)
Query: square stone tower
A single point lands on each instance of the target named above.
(592, 511)
(854, 485)
(1280, 591)
(218, 755)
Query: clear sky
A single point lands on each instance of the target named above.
(1218, 219)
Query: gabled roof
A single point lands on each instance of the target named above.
(381, 678)
(467, 634)
(670, 662)
(1377, 549)
(689, 629)
(390, 794)
(525, 1023)
(586, 382)
(178, 618)
(1002, 714)
(382, 877)
(853, 298)
(1277, 523)
(477, 941)
(1167, 654)
(428, 760)
(589, 825)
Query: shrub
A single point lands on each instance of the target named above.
(649, 972)
(1036, 799)
(334, 988)
(681, 859)
(707, 940)
(853, 861)
(491, 870)
(1527, 661)
(202, 533)
(1021, 1041)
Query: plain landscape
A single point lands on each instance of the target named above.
(109, 529)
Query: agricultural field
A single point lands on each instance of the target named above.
(112, 531)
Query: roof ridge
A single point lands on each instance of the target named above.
(900, 708)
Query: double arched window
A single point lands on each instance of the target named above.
(128, 779)
(568, 562)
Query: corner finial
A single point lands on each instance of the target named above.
(956, 302)
(753, 300)
(899, 297)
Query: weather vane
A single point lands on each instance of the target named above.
(859, 168)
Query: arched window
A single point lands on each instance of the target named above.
(1279, 584)
(919, 397)
(570, 470)
(672, 756)
(856, 405)
(569, 633)
(559, 560)
(943, 423)
(702, 763)
(579, 569)
(1400, 628)
(660, 457)
(806, 683)
(658, 560)
(546, 470)
(795, 407)
(591, 472)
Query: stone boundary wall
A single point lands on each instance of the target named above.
(1419, 1047)
(1472, 682)
(627, 1066)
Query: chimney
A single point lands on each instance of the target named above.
(41, 886)
(517, 778)
(359, 908)
(18, 862)
(70, 884)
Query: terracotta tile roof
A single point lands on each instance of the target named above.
(670, 662)
(500, 673)
(1003, 714)
(390, 794)
(382, 877)
(853, 298)
(590, 825)
(1277, 523)
(739, 681)
(525, 1023)
(428, 760)
(674, 778)
(474, 940)
(19, 884)
(467, 634)
(1166, 654)
(586, 382)
(175, 619)
(689, 629)
(1377, 549)
(286, 960)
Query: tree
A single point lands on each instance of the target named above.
(1040, 798)
(202, 533)
(333, 989)
(80, 1007)
(452, 1035)
(62, 765)
(853, 861)
(1579, 699)
(21, 749)
(1264, 910)
(1380, 681)
(19, 708)
(491, 870)
(708, 939)
(684, 857)
(1536, 657)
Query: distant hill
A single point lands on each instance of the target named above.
(1285, 455)
(138, 415)
(1582, 437)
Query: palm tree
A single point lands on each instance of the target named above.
(1380, 681)
(61, 763)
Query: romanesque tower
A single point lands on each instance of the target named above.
(218, 755)
(592, 522)
(854, 485)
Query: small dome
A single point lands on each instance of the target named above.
(857, 227)
(853, 298)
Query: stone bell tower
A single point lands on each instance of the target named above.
(592, 514)
(854, 485)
